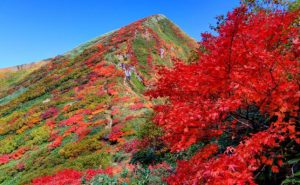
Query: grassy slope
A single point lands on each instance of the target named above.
(85, 82)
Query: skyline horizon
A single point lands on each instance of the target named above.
(59, 54)
(38, 30)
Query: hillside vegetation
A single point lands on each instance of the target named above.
(147, 105)
(80, 112)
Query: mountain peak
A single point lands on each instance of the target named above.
(157, 16)
(156, 26)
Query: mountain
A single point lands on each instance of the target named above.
(12, 75)
(80, 113)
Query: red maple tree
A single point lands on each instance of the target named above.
(252, 62)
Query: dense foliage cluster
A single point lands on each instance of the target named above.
(253, 64)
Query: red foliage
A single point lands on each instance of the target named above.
(132, 146)
(137, 106)
(20, 166)
(82, 132)
(115, 111)
(95, 57)
(248, 63)
(72, 120)
(149, 60)
(192, 166)
(89, 174)
(12, 121)
(106, 71)
(116, 133)
(120, 99)
(129, 117)
(156, 169)
(68, 176)
(49, 113)
(159, 42)
(18, 153)
(112, 91)
(50, 123)
(53, 135)
(4, 159)
(56, 143)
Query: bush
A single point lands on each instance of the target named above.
(104, 180)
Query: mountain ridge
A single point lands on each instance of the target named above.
(44, 61)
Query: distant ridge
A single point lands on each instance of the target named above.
(24, 66)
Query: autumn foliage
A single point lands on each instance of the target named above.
(228, 114)
(69, 176)
(77, 115)
(252, 62)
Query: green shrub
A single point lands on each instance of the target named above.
(104, 180)
(85, 146)
(8, 145)
(39, 135)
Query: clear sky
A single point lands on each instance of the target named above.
(32, 30)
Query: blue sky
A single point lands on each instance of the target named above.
(32, 30)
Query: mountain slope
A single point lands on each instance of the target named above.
(10, 76)
(82, 110)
